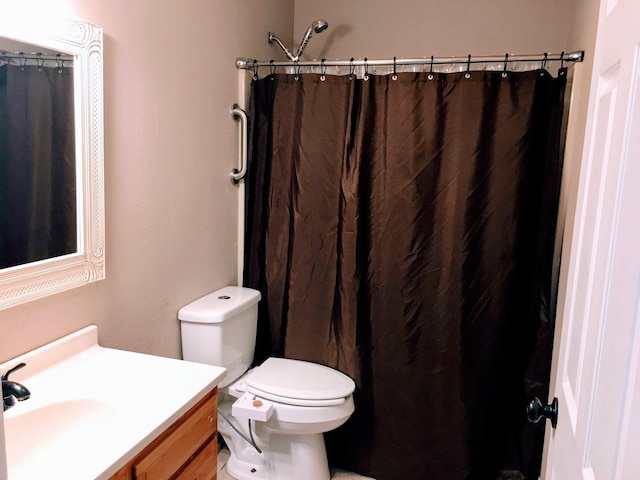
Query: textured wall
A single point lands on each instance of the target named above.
(170, 144)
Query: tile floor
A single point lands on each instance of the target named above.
(223, 475)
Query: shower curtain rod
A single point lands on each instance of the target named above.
(578, 56)
(36, 56)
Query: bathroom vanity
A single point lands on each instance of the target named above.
(188, 448)
(101, 413)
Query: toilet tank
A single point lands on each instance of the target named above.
(220, 329)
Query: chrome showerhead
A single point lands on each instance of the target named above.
(317, 26)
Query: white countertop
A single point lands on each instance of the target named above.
(92, 409)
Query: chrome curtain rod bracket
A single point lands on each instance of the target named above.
(246, 63)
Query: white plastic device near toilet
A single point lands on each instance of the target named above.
(273, 416)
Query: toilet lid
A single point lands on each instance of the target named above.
(299, 383)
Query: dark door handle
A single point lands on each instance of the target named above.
(536, 410)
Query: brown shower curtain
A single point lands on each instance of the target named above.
(37, 164)
(402, 232)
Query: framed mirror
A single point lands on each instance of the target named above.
(51, 233)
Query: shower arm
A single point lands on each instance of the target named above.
(272, 38)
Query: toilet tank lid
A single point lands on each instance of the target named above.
(220, 305)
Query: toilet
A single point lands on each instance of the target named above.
(272, 417)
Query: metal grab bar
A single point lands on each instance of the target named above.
(238, 113)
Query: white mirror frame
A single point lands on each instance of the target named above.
(27, 282)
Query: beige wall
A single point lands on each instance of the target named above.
(171, 212)
(170, 142)
(419, 28)
(583, 36)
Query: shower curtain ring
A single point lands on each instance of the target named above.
(430, 76)
(296, 70)
(468, 74)
(272, 68)
(543, 65)
(39, 61)
(59, 62)
(255, 69)
(323, 70)
(365, 77)
(395, 74)
(561, 72)
(22, 60)
(506, 61)
(352, 68)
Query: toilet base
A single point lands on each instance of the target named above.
(291, 441)
(290, 457)
(243, 470)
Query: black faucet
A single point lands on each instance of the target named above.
(12, 391)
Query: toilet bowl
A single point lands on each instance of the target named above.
(273, 416)
(302, 410)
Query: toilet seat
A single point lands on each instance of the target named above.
(296, 401)
(296, 382)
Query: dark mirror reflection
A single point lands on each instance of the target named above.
(38, 211)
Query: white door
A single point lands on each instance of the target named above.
(597, 376)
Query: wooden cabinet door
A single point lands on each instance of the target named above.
(186, 450)
(204, 466)
(179, 443)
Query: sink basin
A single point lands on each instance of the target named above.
(52, 428)
(92, 409)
